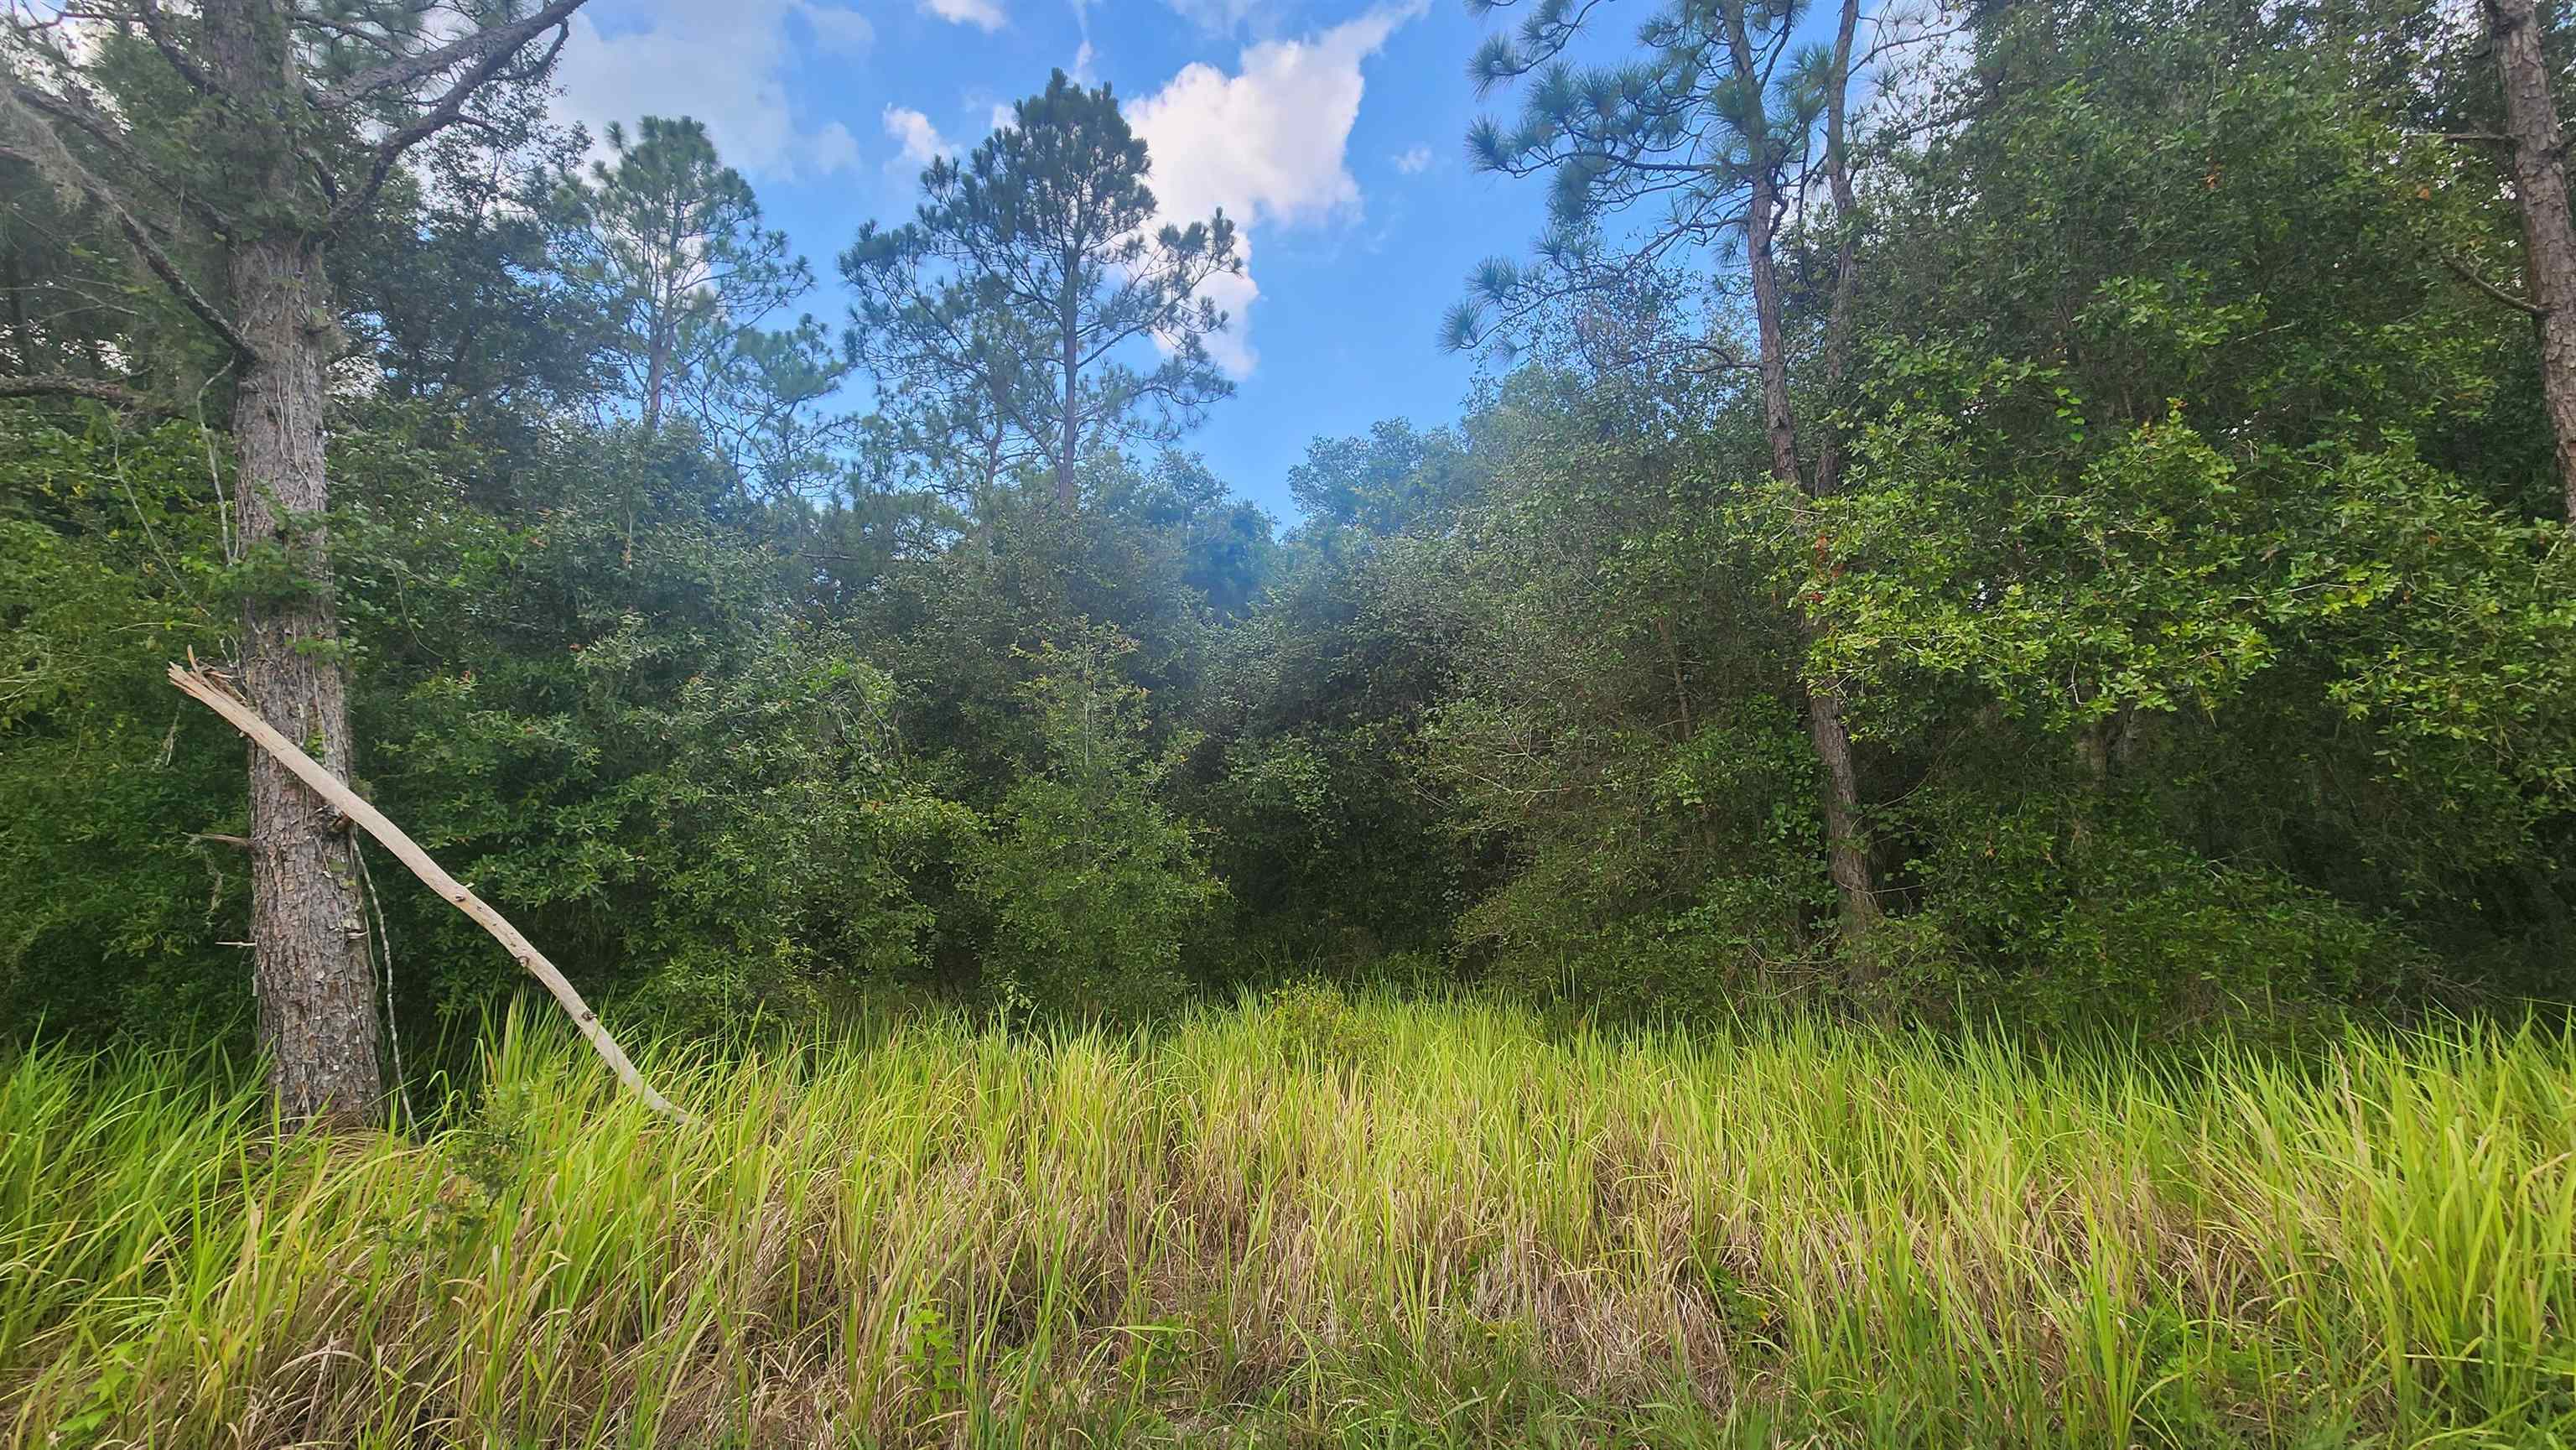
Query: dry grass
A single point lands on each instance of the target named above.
(1376, 1224)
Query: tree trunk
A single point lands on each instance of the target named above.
(2549, 236)
(1070, 324)
(1838, 318)
(1778, 426)
(2092, 782)
(657, 378)
(1846, 853)
(317, 1003)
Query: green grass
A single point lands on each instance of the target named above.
(1306, 1223)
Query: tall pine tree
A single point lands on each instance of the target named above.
(273, 125)
(1699, 145)
(1006, 309)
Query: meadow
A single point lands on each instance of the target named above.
(1311, 1221)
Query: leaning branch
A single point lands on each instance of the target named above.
(202, 686)
(446, 111)
(157, 27)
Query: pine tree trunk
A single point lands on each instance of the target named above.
(317, 1005)
(2549, 235)
(1070, 325)
(657, 379)
(1846, 852)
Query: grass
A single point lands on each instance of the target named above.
(1307, 1222)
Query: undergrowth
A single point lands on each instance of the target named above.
(1310, 1222)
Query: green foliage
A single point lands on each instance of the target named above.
(2182, 562)
(624, 737)
(1316, 1024)
(1092, 883)
(1330, 832)
(2147, 582)
(667, 248)
(2034, 913)
(111, 907)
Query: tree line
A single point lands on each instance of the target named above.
(2054, 514)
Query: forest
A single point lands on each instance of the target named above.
(1942, 813)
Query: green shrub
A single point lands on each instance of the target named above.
(1093, 885)
(2028, 918)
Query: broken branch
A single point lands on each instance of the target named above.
(203, 687)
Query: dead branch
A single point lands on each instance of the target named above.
(202, 686)
(60, 385)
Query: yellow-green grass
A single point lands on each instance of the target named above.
(1376, 1224)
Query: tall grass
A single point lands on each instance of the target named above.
(1314, 1224)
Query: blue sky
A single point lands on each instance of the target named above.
(1331, 130)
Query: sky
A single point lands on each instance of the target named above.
(1330, 130)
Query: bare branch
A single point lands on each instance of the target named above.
(448, 110)
(2468, 274)
(156, 25)
(29, 136)
(466, 50)
(60, 385)
(211, 691)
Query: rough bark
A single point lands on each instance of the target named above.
(317, 1003)
(2549, 235)
(268, 741)
(1846, 850)
(1779, 426)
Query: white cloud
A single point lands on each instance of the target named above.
(920, 141)
(725, 65)
(1267, 143)
(984, 15)
(834, 149)
(1003, 117)
(1413, 161)
(1082, 58)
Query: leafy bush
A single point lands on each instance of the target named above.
(2027, 917)
(115, 907)
(1092, 884)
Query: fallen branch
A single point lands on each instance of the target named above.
(204, 687)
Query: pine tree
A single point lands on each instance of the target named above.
(1696, 143)
(273, 126)
(1001, 313)
(2537, 158)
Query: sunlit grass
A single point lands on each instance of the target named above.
(1380, 1224)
